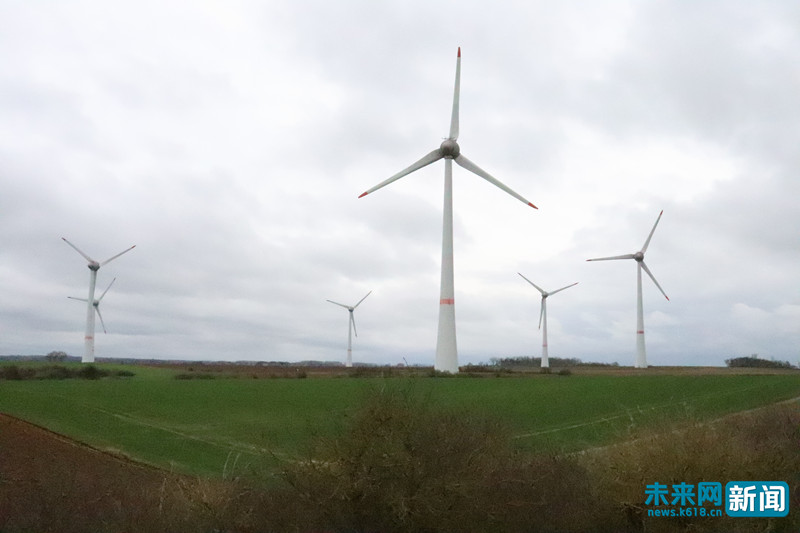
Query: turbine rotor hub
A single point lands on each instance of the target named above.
(639, 257)
(450, 148)
(94, 265)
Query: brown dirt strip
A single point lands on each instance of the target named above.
(47, 479)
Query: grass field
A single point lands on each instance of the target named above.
(223, 425)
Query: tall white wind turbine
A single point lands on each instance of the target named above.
(641, 352)
(94, 266)
(543, 316)
(351, 328)
(446, 351)
(96, 304)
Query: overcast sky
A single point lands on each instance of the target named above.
(229, 142)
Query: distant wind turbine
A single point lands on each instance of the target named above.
(351, 328)
(543, 316)
(94, 266)
(641, 352)
(446, 350)
(96, 303)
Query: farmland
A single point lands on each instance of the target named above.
(232, 422)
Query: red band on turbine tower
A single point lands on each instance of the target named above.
(447, 301)
(640, 332)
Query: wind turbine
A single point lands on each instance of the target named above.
(94, 266)
(543, 316)
(96, 303)
(641, 352)
(351, 328)
(449, 150)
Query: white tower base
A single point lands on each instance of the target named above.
(446, 350)
(641, 351)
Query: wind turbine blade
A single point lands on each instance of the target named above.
(105, 291)
(362, 299)
(119, 254)
(456, 93)
(74, 298)
(353, 321)
(626, 256)
(101, 319)
(532, 283)
(654, 279)
(562, 288)
(425, 161)
(340, 305)
(89, 259)
(647, 242)
(475, 169)
(541, 314)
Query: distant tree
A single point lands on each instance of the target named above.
(56, 356)
(754, 362)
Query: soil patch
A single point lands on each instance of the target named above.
(49, 482)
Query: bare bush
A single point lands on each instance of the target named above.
(403, 466)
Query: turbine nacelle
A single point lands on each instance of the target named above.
(449, 148)
(94, 266)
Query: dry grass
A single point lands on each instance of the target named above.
(762, 444)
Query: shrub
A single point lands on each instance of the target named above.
(59, 372)
(371, 372)
(195, 375)
(55, 372)
(11, 372)
(91, 372)
(432, 373)
(403, 466)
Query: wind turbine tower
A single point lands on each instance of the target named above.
(94, 266)
(543, 316)
(641, 352)
(449, 150)
(351, 328)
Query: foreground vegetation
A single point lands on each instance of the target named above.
(403, 464)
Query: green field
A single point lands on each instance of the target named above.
(204, 426)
